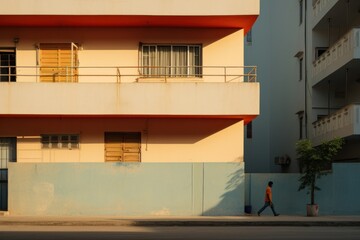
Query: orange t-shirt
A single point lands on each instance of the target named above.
(268, 194)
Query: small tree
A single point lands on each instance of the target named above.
(314, 160)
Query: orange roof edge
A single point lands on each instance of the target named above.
(229, 21)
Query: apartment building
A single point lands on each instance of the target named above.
(309, 54)
(125, 107)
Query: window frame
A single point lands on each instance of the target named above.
(150, 66)
(8, 71)
(117, 149)
(301, 12)
(60, 141)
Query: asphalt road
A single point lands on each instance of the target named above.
(158, 233)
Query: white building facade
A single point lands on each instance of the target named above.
(308, 51)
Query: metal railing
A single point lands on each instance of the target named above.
(128, 73)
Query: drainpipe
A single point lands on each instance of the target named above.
(346, 85)
(329, 25)
(347, 15)
(329, 89)
(305, 74)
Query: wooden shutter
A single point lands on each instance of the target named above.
(123, 147)
(58, 62)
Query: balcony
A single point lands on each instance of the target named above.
(222, 92)
(321, 8)
(343, 123)
(343, 52)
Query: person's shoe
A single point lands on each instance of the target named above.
(277, 215)
(258, 214)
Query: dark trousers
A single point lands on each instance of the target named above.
(265, 206)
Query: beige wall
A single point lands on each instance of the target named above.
(163, 140)
(130, 7)
(111, 47)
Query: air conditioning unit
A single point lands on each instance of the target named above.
(282, 160)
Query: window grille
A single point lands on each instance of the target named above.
(60, 141)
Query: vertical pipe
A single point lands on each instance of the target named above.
(329, 25)
(329, 98)
(346, 85)
(347, 15)
(305, 69)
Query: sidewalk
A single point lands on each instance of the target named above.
(182, 221)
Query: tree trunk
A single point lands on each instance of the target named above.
(312, 193)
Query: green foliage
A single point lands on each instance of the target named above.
(314, 160)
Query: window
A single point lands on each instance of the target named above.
(249, 37)
(300, 56)
(60, 141)
(301, 11)
(171, 60)
(123, 147)
(249, 130)
(301, 120)
(58, 62)
(7, 65)
(300, 69)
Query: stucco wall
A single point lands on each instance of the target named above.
(338, 195)
(126, 189)
(112, 47)
(162, 140)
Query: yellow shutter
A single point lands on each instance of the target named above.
(123, 147)
(58, 63)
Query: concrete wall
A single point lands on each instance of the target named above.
(338, 194)
(126, 189)
(170, 189)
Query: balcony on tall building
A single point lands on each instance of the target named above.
(218, 92)
(321, 9)
(343, 54)
(343, 123)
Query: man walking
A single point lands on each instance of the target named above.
(268, 200)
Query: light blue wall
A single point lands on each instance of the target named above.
(181, 189)
(126, 189)
(339, 193)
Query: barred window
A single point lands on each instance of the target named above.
(60, 141)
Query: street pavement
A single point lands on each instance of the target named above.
(158, 221)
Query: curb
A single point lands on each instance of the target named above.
(171, 223)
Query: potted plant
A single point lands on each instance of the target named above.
(313, 161)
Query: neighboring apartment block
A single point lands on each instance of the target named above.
(125, 107)
(311, 90)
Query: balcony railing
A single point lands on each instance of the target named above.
(342, 123)
(128, 74)
(337, 55)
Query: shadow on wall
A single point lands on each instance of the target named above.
(232, 200)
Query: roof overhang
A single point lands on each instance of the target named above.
(230, 21)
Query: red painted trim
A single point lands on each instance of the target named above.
(236, 21)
